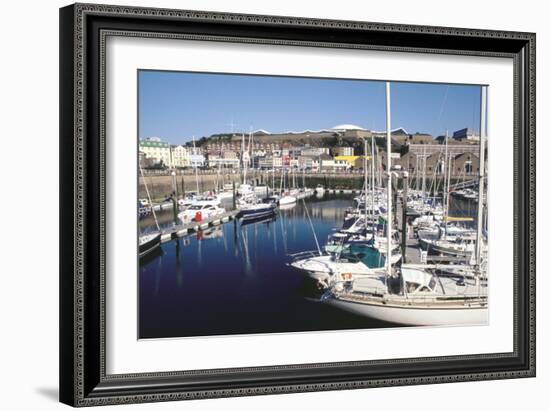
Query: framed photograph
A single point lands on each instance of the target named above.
(261, 204)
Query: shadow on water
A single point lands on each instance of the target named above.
(234, 279)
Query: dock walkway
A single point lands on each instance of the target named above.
(182, 230)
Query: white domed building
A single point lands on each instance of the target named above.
(351, 130)
(346, 127)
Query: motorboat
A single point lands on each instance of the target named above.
(255, 209)
(327, 267)
(186, 201)
(200, 210)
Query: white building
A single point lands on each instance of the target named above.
(294, 162)
(156, 149)
(197, 160)
(334, 165)
(277, 162)
(314, 151)
(309, 163)
(180, 156)
(215, 161)
(342, 151)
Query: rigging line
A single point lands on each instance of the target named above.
(312, 229)
(149, 196)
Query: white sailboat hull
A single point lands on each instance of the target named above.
(287, 200)
(425, 315)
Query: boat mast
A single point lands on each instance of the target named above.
(218, 172)
(482, 136)
(372, 172)
(366, 180)
(243, 160)
(196, 169)
(424, 174)
(447, 170)
(273, 172)
(389, 190)
(379, 166)
(250, 155)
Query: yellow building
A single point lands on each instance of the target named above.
(353, 161)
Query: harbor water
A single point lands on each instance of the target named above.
(234, 278)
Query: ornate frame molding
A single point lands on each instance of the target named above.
(82, 334)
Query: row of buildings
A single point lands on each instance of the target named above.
(262, 150)
(157, 153)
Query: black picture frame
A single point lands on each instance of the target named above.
(83, 29)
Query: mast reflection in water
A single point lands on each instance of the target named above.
(233, 279)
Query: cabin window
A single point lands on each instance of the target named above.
(468, 167)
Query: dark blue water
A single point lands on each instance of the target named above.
(234, 279)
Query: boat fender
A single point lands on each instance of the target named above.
(347, 276)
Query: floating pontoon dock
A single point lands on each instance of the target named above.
(181, 230)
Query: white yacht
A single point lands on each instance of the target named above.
(330, 267)
(200, 210)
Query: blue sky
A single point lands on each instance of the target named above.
(177, 105)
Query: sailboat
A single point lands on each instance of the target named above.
(250, 207)
(224, 191)
(353, 251)
(286, 196)
(448, 240)
(417, 294)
